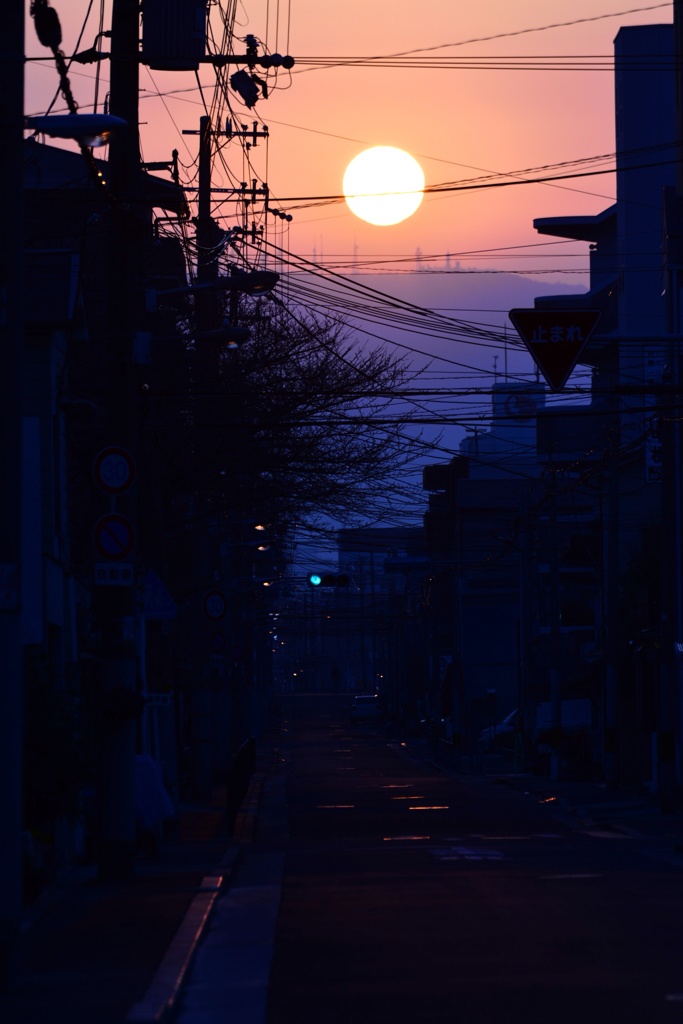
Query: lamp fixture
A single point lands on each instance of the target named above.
(87, 129)
(230, 335)
(250, 282)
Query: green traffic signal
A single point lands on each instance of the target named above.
(328, 580)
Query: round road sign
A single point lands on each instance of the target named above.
(215, 604)
(218, 641)
(114, 537)
(114, 470)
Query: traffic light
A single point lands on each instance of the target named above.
(317, 579)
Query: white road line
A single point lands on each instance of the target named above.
(554, 878)
(465, 853)
(600, 834)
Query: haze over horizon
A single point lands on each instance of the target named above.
(492, 100)
(489, 99)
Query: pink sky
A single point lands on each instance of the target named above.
(457, 122)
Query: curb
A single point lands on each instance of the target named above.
(245, 822)
(161, 997)
(162, 994)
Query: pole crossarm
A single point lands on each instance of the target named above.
(221, 60)
(252, 133)
(272, 60)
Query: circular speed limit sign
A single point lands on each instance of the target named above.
(114, 470)
(215, 605)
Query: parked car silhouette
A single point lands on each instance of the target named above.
(501, 734)
(365, 706)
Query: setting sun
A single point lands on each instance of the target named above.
(383, 185)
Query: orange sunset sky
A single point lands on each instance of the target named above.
(487, 87)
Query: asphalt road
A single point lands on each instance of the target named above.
(411, 897)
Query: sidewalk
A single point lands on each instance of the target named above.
(95, 953)
(118, 953)
(592, 805)
(581, 805)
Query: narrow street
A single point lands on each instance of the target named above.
(411, 896)
(378, 888)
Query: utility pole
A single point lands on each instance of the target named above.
(207, 233)
(678, 59)
(204, 542)
(555, 630)
(670, 724)
(116, 606)
(11, 342)
(611, 555)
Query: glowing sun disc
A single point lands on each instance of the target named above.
(383, 185)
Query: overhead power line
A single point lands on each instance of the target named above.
(497, 35)
(474, 185)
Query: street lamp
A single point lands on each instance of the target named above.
(249, 282)
(229, 334)
(256, 282)
(87, 129)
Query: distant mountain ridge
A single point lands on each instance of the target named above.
(463, 291)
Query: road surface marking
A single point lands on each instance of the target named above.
(404, 839)
(465, 853)
(599, 834)
(553, 878)
(498, 839)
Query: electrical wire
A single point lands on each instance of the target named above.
(517, 32)
(385, 311)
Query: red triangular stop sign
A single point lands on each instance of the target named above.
(555, 338)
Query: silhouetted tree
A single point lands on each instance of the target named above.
(294, 425)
